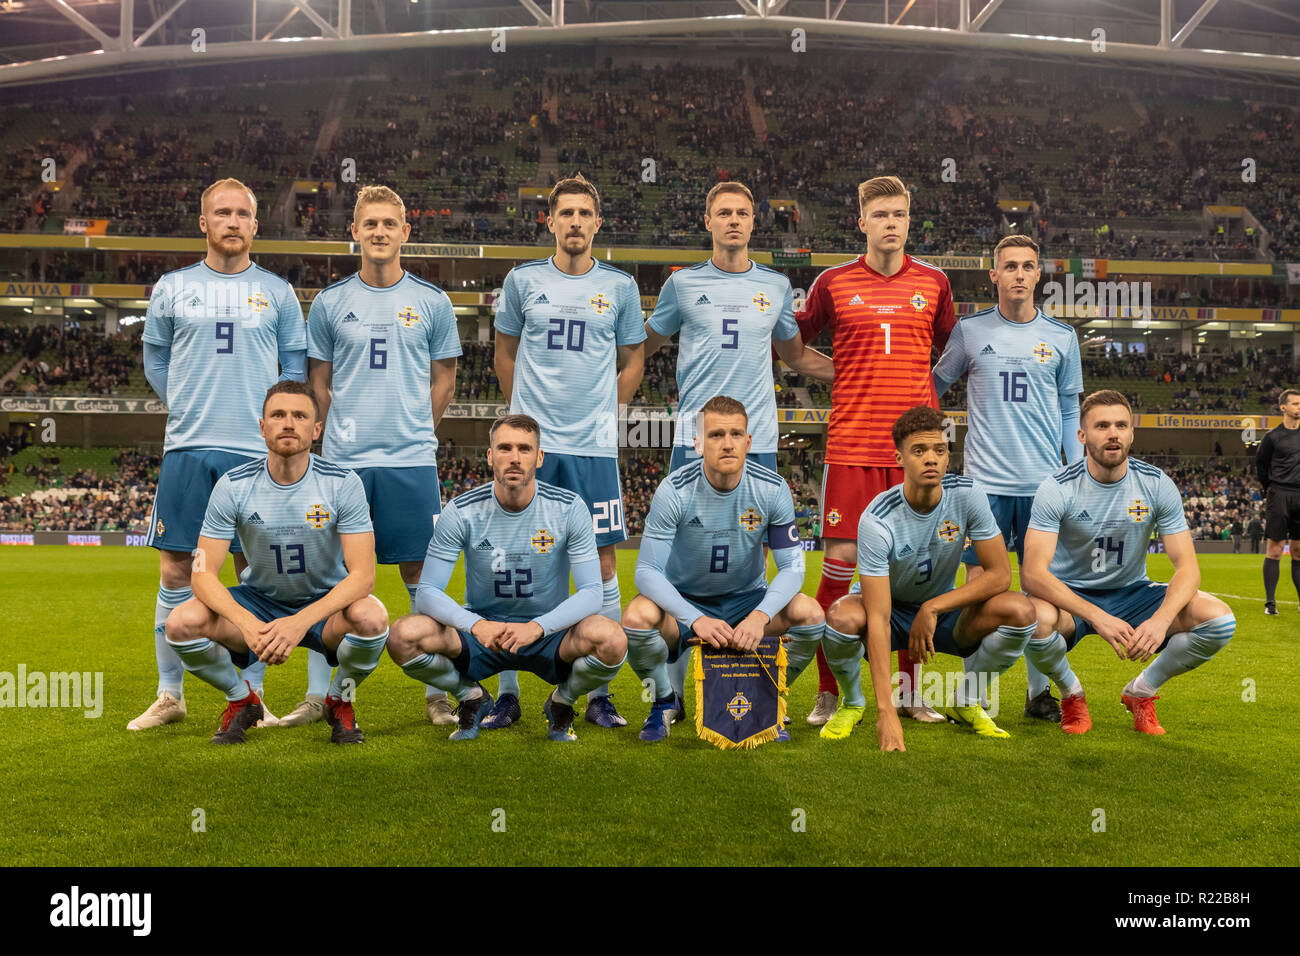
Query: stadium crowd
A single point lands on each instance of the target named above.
(72, 359)
(1114, 166)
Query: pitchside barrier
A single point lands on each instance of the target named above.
(137, 540)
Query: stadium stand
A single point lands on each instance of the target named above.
(1119, 165)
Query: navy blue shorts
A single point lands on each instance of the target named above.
(403, 502)
(185, 483)
(1132, 604)
(1011, 512)
(732, 608)
(542, 657)
(267, 609)
(595, 481)
(684, 456)
(900, 628)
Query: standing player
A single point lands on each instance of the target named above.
(702, 571)
(1022, 400)
(570, 352)
(910, 542)
(886, 311)
(1085, 565)
(382, 350)
(1277, 463)
(521, 537)
(306, 531)
(731, 312)
(217, 335)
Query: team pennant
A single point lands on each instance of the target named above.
(740, 695)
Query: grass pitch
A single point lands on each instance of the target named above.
(1219, 789)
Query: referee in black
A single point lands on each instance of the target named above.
(1277, 463)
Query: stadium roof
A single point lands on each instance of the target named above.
(52, 39)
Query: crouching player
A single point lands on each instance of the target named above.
(704, 536)
(305, 528)
(521, 538)
(1086, 566)
(910, 541)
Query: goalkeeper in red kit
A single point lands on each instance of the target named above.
(886, 312)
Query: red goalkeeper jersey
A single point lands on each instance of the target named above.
(883, 330)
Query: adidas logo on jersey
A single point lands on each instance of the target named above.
(695, 523)
(256, 519)
(856, 300)
(702, 300)
(988, 350)
(541, 300)
(351, 317)
(484, 545)
(907, 549)
(1083, 516)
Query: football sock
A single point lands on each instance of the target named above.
(429, 689)
(439, 671)
(318, 673)
(211, 662)
(836, 578)
(612, 608)
(677, 672)
(805, 641)
(255, 674)
(507, 683)
(1295, 573)
(1272, 567)
(358, 656)
(171, 672)
(588, 673)
(996, 653)
(1050, 658)
(647, 655)
(844, 653)
(1186, 650)
(1038, 681)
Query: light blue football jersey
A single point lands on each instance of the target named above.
(920, 552)
(381, 342)
(717, 537)
(225, 333)
(727, 322)
(289, 533)
(516, 562)
(1018, 371)
(1104, 529)
(566, 371)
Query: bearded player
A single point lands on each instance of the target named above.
(886, 312)
(217, 335)
(570, 352)
(305, 527)
(521, 539)
(1086, 568)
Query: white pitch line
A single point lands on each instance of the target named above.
(1243, 597)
